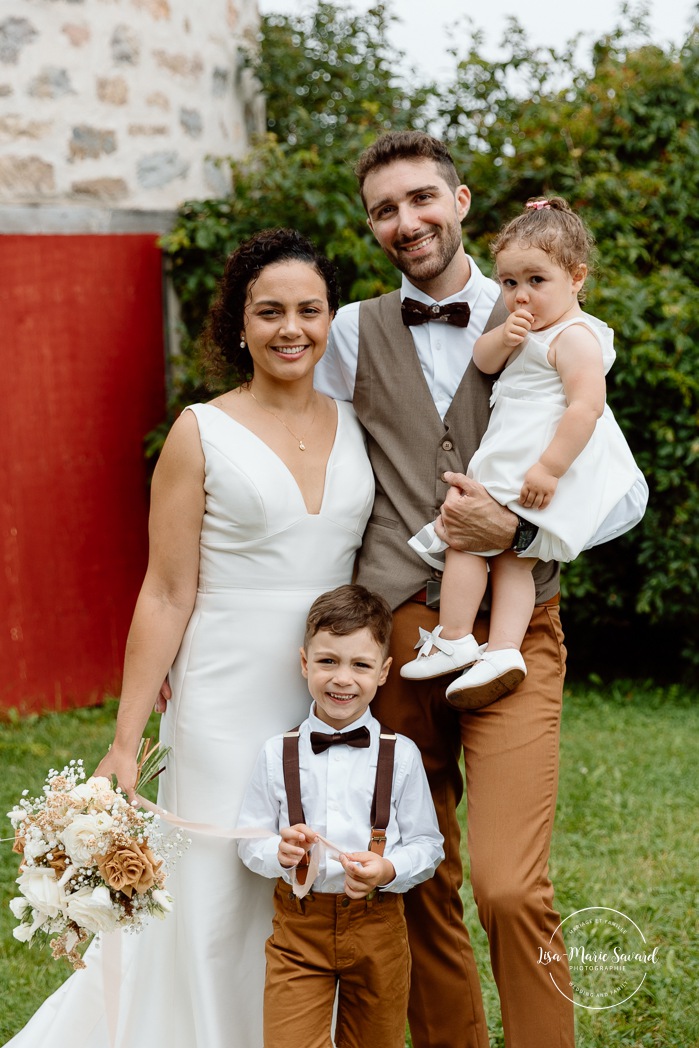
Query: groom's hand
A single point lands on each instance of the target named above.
(471, 519)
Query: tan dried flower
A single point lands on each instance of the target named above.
(58, 861)
(130, 867)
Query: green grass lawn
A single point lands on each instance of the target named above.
(625, 838)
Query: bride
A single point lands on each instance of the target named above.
(259, 502)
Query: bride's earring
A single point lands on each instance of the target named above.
(242, 342)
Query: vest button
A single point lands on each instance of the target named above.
(447, 445)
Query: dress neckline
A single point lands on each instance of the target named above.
(281, 461)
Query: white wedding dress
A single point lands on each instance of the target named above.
(195, 980)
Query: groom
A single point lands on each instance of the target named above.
(424, 406)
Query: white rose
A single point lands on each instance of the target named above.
(92, 909)
(103, 821)
(81, 839)
(81, 792)
(40, 887)
(96, 790)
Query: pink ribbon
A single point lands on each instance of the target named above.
(251, 833)
(539, 205)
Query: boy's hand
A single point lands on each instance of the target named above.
(365, 871)
(539, 487)
(516, 328)
(296, 841)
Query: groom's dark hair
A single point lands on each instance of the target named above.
(347, 609)
(405, 145)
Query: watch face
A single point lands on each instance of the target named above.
(524, 535)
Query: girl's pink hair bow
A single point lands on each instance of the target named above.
(539, 205)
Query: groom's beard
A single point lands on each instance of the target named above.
(446, 243)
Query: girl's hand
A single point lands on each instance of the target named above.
(539, 487)
(516, 328)
(296, 841)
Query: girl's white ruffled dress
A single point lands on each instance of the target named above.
(195, 980)
(528, 402)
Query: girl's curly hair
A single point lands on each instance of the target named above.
(551, 225)
(220, 351)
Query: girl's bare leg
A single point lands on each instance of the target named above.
(463, 585)
(451, 646)
(512, 588)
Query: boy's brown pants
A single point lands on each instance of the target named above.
(327, 942)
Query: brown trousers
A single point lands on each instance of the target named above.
(325, 943)
(511, 762)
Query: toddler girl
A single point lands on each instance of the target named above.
(553, 452)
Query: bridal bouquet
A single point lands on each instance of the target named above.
(91, 860)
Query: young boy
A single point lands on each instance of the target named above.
(329, 777)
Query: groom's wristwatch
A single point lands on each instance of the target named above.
(525, 533)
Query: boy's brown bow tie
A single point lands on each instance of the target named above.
(320, 740)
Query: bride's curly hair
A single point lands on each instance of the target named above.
(220, 351)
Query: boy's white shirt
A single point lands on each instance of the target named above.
(337, 787)
(444, 352)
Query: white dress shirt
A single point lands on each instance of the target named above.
(444, 352)
(337, 787)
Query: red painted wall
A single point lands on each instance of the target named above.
(82, 379)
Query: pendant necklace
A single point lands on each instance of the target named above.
(302, 446)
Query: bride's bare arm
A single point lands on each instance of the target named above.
(168, 592)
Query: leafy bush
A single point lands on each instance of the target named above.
(620, 142)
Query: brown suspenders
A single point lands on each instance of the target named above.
(381, 802)
(292, 783)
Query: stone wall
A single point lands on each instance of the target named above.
(123, 103)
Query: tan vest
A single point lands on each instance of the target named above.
(410, 447)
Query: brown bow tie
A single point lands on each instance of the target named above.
(320, 740)
(414, 312)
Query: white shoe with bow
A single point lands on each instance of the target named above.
(438, 656)
(495, 673)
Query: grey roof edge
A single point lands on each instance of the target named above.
(66, 220)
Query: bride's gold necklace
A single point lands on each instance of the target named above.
(302, 446)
